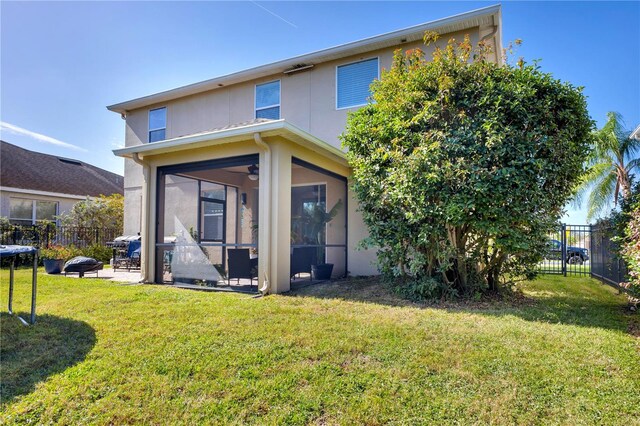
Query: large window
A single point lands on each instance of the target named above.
(353, 81)
(213, 200)
(27, 212)
(157, 124)
(268, 100)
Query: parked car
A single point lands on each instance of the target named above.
(575, 255)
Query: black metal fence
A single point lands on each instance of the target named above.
(584, 250)
(47, 235)
(607, 266)
(569, 251)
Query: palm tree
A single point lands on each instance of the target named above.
(609, 166)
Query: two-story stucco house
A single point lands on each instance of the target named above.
(245, 160)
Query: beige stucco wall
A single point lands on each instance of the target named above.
(308, 100)
(132, 210)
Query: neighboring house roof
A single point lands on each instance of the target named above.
(490, 15)
(24, 169)
(235, 133)
(636, 133)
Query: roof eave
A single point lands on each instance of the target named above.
(219, 137)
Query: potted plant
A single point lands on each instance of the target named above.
(54, 257)
(318, 218)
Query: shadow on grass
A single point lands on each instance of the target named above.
(31, 354)
(570, 302)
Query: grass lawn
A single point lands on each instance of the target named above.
(347, 353)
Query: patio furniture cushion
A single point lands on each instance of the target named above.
(82, 265)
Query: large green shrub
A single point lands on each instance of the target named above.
(99, 212)
(461, 167)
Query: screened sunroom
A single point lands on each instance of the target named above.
(245, 209)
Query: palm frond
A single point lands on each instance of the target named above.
(593, 174)
(631, 147)
(607, 174)
(632, 165)
(601, 196)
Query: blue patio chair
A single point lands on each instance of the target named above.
(131, 260)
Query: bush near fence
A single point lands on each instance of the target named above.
(45, 235)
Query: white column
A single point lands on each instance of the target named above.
(280, 217)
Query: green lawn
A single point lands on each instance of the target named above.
(349, 353)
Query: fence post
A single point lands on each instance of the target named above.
(564, 249)
(619, 274)
(591, 256)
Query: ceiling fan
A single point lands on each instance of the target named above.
(253, 172)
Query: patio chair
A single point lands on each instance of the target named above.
(131, 260)
(241, 266)
(301, 260)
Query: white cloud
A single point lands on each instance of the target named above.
(10, 128)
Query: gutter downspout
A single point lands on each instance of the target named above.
(492, 34)
(265, 219)
(146, 171)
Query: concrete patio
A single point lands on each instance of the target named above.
(108, 273)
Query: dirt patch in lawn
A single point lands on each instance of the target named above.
(634, 324)
(372, 290)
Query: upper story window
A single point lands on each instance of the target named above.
(268, 100)
(353, 81)
(157, 124)
(27, 212)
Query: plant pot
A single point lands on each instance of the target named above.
(322, 271)
(53, 266)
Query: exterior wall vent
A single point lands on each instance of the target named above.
(298, 68)
(70, 161)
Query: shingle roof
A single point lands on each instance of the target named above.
(21, 168)
(231, 126)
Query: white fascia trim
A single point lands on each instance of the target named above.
(279, 66)
(222, 136)
(45, 193)
(635, 134)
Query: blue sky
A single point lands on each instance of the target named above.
(63, 62)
